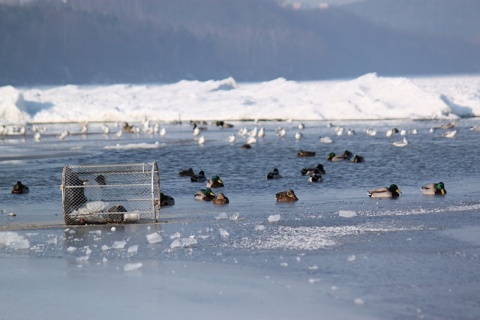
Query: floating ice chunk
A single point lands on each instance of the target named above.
(221, 215)
(132, 266)
(313, 280)
(113, 229)
(104, 260)
(347, 213)
(274, 218)
(183, 243)
(259, 227)
(83, 258)
(105, 247)
(133, 249)
(14, 240)
(359, 301)
(223, 232)
(314, 267)
(97, 232)
(351, 258)
(119, 244)
(284, 264)
(71, 249)
(154, 237)
(52, 241)
(176, 235)
(234, 216)
(88, 251)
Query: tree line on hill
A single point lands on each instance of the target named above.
(55, 42)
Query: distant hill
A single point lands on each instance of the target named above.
(447, 18)
(132, 41)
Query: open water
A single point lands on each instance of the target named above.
(413, 257)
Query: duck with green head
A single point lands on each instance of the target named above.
(434, 189)
(390, 192)
(215, 182)
(204, 195)
(344, 156)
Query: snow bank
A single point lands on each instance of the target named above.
(12, 106)
(367, 97)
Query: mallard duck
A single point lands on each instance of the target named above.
(434, 189)
(344, 156)
(223, 124)
(358, 159)
(286, 196)
(166, 200)
(315, 178)
(204, 195)
(186, 173)
(220, 199)
(310, 171)
(303, 153)
(20, 188)
(215, 182)
(200, 177)
(390, 192)
(274, 174)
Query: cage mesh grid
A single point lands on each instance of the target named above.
(110, 193)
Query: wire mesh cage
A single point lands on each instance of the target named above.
(110, 193)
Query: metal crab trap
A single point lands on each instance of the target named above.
(110, 193)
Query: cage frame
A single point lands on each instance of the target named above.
(112, 216)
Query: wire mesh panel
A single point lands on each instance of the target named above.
(110, 193)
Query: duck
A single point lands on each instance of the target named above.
(200, 177)
(315, 178)
(223, 124)
(100, 179)
(400, 144)
(310, 171)
(220, 199)
(326, 140)
(127, 127)
(434, 189)
(286, 196)
(450, 134)
(358, 159)
(246, 146)
(166, 200)
(390, 132)
(274, 174)
(215, 182)
(204, 195)
(20, 188)
(347, 155)
(186, 173)
(390, 192)
(303, 153)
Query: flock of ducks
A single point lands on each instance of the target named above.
(315, 174)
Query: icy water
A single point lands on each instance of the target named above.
(413, 257)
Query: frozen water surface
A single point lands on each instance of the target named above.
(333, 254)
